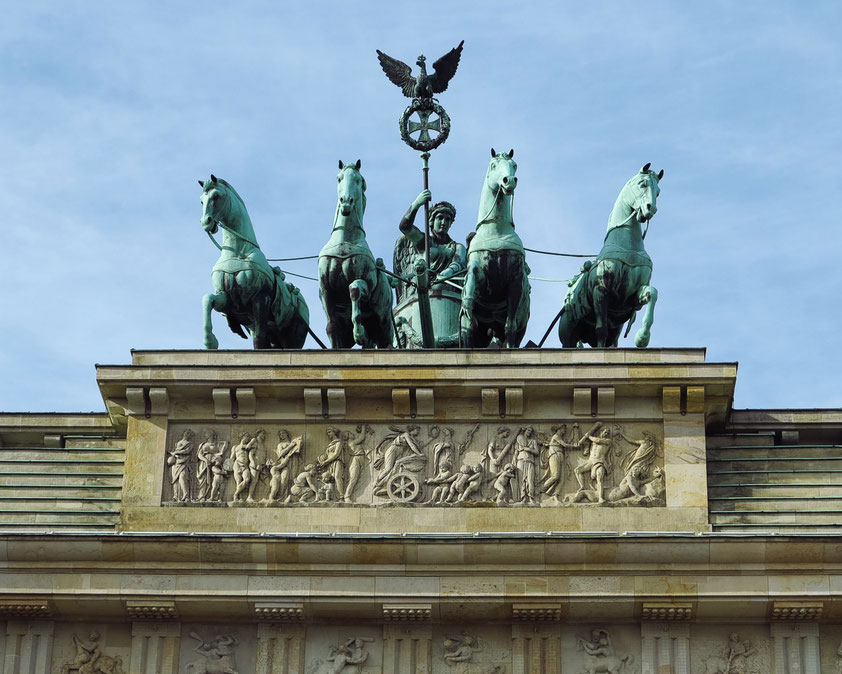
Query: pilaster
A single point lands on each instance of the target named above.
(280, 648)
(29, 647)
(665, 647)
(536, 649)
(155, 648)
(408, 649)
(796, 647)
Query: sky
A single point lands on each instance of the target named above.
(111, 111)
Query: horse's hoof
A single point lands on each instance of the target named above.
(641, 339)
(211, 342)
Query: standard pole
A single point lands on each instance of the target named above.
(425, 157)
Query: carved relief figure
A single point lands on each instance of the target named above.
(210, 452)
(240, 461)
(839, 659)
(178, 459)
(217, 655)
(286, 453)
(333, 459)
(467, 483)
(89, 658)
(392, 454)
(442, 481)
(494, 455)
(527, 454)
(555, 462)
(599, 657)
(735, 659)
(443, 449)
(220, 474)
(344, 658)
(358, 452)
(304, 487)
(460, 648)
(596, 462)
(503, 484)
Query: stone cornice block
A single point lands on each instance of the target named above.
(28, 609)
(222, 402)
(53, 441)
(797, 610)
(514, 402)
(313, 402)
(424, 402)
(151, 610)
(605, 401)
(246, 402)
(671, 400)
(695, 399)
(491, 402)
(159, 401)
(537, 612)
(279, 612)
(135, 402)
(336, 406)
(401, 406)
(582, 402)
(409, 613)
(666, 611)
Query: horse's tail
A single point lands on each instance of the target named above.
(628, 660)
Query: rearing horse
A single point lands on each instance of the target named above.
(609, 291)
(247, 290)
(495, 297)
(354, 290)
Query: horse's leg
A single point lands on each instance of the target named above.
(647, 295)
(210, 302)
(604, 277)
(259, 331)
(328, 304)
(358, 291)
(467, 324)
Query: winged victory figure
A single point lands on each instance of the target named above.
(424, 85)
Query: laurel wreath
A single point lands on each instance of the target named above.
(420, 104)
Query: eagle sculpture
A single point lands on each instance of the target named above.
(423, 86)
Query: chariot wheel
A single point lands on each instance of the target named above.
(403, 488)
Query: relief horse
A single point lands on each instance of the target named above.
(250, 293)
(608, 292)
(495, 297)
(353, 287)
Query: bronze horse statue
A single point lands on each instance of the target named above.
(354, 289)
(609, 291)
(250, 293)
(495, 297)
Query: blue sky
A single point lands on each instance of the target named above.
(112, 111)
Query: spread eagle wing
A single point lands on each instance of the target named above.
(399, 73)
(445, 69)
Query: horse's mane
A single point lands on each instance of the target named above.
(233, 192)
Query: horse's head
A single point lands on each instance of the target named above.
(216, 203)
(350, 189)
(642, 192)
(501, 172)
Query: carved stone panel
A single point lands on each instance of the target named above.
(206, 649)
(730, 649)
(346, 649)
(454, 465)
(89, 648)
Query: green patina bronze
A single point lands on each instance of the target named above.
(609, 291)
(495, 298)
(353, 286)
(251, 294)
(443, 280)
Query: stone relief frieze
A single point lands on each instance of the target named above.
(598, 655)
(560, 465)
(90, 659)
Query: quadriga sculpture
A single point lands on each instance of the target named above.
(608, 292)
(250, 293)
(353, 287)
(495, 297)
